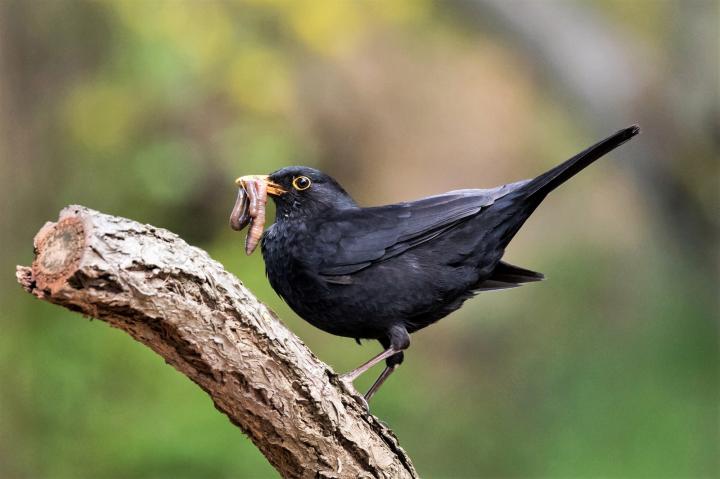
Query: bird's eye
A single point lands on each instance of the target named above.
(301, 183)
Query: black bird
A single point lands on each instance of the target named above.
(385, 272)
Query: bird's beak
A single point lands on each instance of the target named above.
(272, 188)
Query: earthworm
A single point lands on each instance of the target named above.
(251, 186)
(250, 209)
(239, 218)
(258, 198)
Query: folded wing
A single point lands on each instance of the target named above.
(365, 236)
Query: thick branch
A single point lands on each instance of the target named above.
(175, 299)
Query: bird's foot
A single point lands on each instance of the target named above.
(347, 381)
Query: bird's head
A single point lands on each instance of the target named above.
(301, 191)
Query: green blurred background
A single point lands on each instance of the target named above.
(150, 110)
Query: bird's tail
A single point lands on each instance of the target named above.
(539, 187)
(513, 209)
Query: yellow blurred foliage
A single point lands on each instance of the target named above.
(259, 80)
(202, 31)
(332, 27)
(100, 115)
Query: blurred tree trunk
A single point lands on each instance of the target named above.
(612, 80)
(175, 299)
(40, 58)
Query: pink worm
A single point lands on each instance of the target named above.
(250, 209)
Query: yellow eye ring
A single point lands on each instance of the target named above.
(301, 183)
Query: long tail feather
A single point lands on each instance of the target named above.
(545, 183)
(512, 210)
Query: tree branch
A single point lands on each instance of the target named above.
(175, 299)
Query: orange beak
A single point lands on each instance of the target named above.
(272, 188)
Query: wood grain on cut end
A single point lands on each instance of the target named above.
(59, 248)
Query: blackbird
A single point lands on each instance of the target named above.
(385, 272)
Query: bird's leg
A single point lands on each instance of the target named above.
(355, 373)
(395, 342)
(379, 381)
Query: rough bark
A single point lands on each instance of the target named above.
(182, 304)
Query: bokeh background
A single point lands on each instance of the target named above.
(150, 109)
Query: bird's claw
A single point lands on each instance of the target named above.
(350, 387)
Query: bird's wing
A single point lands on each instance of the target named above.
(357, 238)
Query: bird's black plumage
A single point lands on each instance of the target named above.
(384, 272)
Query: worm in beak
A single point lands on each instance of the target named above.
(250, 207)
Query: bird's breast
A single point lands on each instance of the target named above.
(282, 248)
(290, 264)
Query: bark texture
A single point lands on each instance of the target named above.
(182, 304)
